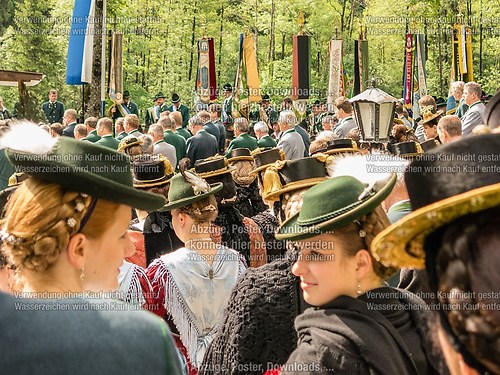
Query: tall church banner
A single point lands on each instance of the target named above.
(420, 59)
(247, 85)
(336, 86)
(408, 72)
(360, 66)
(206, 81)
(301, 67)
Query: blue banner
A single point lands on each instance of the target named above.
(81, 41)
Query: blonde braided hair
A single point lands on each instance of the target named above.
(41, 217)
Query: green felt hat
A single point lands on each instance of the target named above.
(87, 168)
(333, 204)
(188, 188)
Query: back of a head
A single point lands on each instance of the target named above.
(241, 123)
(157, 130)
(106, 123)
(204, 116)
(177, 117)
(166, 123)
(57, 128)
(466, 277)
(451, 124)
(132, 120)
(91, 122)
(81, 130)
(427, 100)
(45, 233)
(343, 103)
(71, 113)
(261, 127)
(147, 144)
(287, 118)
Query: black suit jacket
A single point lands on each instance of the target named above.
(201, 146)
(69, 131)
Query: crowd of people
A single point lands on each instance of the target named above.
(272, 243)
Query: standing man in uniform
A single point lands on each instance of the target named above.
(265, 113)
(178, 107)
(227, 110)
(151, 113)
(54, 110)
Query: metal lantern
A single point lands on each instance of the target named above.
(374, 111)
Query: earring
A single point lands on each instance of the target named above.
(82, 274)
(358, 289)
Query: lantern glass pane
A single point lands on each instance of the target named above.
(386, 120)
(367, 115)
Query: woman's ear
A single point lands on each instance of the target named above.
(76, 250)
(364, 263)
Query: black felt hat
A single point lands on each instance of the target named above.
(455, 180)
(175, 98)
(227, 87)
(152, 172)
(338, 146)
(408, 149)
(288, 175)
(429, 144)
(264, 157)
(238, 154)
(213, 166)
(266, 98)
(126, 94)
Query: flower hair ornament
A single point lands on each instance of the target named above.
(199, 185)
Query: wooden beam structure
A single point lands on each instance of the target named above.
(12, 78)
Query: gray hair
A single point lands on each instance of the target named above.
(475, 88)
(195, 121)
(147, 143)
(287, 117)
(156, 129)
(260, 126)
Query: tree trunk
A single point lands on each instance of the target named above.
(92, 100)
(270, 56)
(342, 28)
(283, 39)
(220, 42)
(192, 43)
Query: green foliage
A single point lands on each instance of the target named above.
(160, 41)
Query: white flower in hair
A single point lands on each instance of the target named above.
(199, 185)
(25, 136)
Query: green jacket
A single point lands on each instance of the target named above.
(178, 142)
(120, 136)
(92, 136)
(266, 141)
(108, 141)
(242, 141)
(184, 132)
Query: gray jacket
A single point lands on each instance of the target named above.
(292, 145)
(79, 336)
